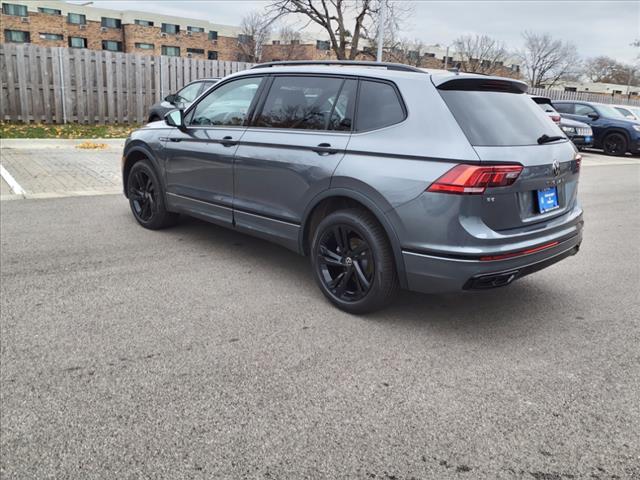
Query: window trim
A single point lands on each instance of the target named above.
(81, 15)
(188, 114)
(117, 21)
(26, 10)
(119, 44)
(59, 37)
(50, 11)
(71, 37)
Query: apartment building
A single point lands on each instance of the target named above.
(61, 24)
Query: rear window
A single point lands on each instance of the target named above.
(498, 118)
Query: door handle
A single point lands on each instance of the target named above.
(322, 149)
(173, 139)
(228, 141)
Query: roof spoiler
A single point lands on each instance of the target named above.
(484, 84)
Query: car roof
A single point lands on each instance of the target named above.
(373, 70)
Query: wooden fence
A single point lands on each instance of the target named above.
(586, 97)
(63, 85)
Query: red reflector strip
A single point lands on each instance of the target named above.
(520, 253)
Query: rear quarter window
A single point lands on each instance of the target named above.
(498, 118)
(378, 106)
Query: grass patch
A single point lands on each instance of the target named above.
(70, 130)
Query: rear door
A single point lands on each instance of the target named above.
(288, 154)
(505, 127)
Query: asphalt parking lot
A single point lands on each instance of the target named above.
(198, 352)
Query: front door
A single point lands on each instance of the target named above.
(290, 152)
(199, 158)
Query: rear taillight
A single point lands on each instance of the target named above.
(578, 160)
(555, 118)
(474, 179)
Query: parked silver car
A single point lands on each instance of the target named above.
(386, 176)
(181, 99)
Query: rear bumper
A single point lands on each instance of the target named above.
(436, 274)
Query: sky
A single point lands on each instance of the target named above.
(595, 27)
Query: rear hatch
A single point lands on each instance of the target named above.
(505, 127)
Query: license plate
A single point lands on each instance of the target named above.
(588, 139)
(548, 199)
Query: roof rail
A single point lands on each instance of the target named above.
(346, 63)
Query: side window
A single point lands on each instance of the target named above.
(584, 110)
(189, 93)
(206, 85)
(564, 107)
(227, 105)
(378, 106)
(301, 102)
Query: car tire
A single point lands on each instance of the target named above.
(353, 261)
(615, 144)
(146, 197)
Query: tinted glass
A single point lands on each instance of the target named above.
(189, 93)
(227, 105)
(584, 109)
(378, 106)
(342, 115)
(300, 102)
(498, 118)
(625, 112)
(564, 107)
(609, 111)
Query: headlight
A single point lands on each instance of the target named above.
(568, 129)
(636, 128)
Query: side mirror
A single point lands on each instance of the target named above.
(175, 118)
(593, 116)
(171, 98)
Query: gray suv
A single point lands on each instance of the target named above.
(385, 175)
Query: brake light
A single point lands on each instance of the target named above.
(578, 159)
(475, 179)
(555, 118)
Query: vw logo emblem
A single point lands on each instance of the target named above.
(348, 261)
(555, 168)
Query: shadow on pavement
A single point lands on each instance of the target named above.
(524, 304)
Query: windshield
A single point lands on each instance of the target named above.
(498, 118)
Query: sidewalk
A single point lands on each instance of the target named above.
(48, 168)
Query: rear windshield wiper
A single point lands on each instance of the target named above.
(546, 138)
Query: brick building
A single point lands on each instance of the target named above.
(60, 24)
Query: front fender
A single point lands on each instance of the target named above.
(135, 150)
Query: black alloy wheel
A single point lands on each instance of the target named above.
(146, 197)
(615, 144)
(143, 195)
(346, 263)
(353, 261)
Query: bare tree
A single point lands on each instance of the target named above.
(480, 54)
(290, 39)
(609, 70)
(346, 22)
(546, 60)
(255, 29)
